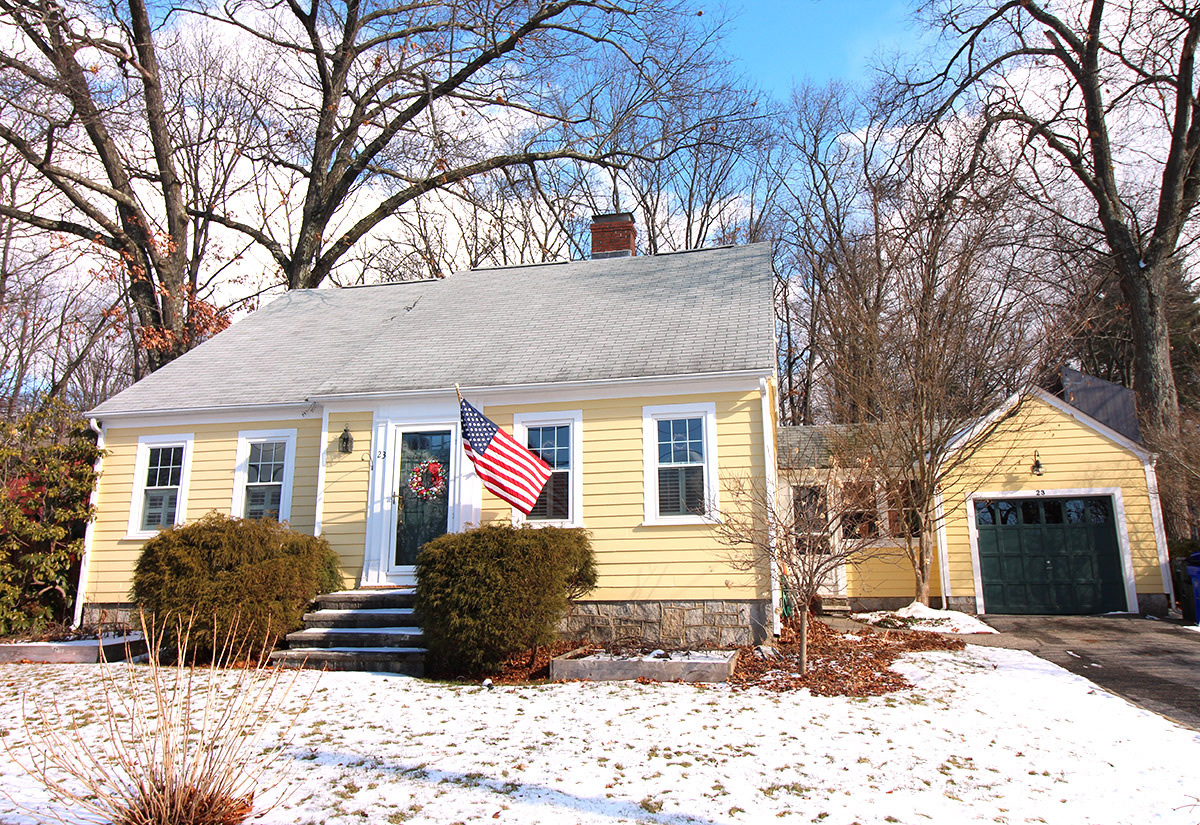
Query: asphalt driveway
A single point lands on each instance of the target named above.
(1155, 664)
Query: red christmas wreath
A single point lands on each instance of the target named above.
(437, 480)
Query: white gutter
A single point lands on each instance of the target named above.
(319, 512)
(761, 374)
(85, 561)
(768, 419)
(296, 406)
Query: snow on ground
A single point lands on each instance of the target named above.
(986, 735)
(918, 616)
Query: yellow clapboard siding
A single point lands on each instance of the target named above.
(658, 562)
(347, 484)
(210, 487)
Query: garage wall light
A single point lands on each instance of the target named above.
(1037, 468)
(346, 441)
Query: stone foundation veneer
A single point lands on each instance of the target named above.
(670, 623)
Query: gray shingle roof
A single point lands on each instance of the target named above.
(804, 446)
(702, 311)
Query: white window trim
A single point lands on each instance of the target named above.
(521, 424)
(140, 466)
(650, 418)
(237, 507)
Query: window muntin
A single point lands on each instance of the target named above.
(860, 516)
(160, 497)
(265, 469)
(810, 513)
(552, 443)
(681, 482)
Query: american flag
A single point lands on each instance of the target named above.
(505, 467)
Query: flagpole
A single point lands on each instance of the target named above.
(457, 390)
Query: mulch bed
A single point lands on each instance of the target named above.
(517, 669)
(839, 664)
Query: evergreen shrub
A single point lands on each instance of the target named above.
(493, 591)
(47, 473)
(249, 579)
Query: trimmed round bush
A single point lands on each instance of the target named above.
(493, 591)
(241, 582)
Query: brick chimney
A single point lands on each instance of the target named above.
(614, 236)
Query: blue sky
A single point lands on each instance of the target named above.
(784, 41)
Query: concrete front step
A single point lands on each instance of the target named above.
(356, 637)
(834, 606)
(367, 617)
(409, 661)
(367, 599)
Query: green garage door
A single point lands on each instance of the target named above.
(1049, 555)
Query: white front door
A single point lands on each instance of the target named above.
(418, 496)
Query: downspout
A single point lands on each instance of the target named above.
(89, 531)
(768, 423)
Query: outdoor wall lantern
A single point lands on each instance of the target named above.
(346, 441)
(1037, 469)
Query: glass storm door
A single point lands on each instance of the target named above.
(421, 518)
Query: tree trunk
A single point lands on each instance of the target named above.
(1145, 291)
(803, 634)
(921, 569)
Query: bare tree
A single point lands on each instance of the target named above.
(803, 533)
(952, 337)
(184, 146)
(1102, 97)
(379, 104)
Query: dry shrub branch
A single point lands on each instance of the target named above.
(177, 745)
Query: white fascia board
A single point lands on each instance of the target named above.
(730, 381)
(210, 415)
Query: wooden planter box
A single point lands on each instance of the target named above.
(703, 666)
(83, 651)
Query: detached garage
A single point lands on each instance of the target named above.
(1058, 513)
(1055, 510)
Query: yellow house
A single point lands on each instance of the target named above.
(640, 380)
(1054, 512)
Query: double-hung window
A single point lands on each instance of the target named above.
(680, 466)
(556, 438)
(679, 462)
(160, 481)
(161, 496)
(263, 477)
